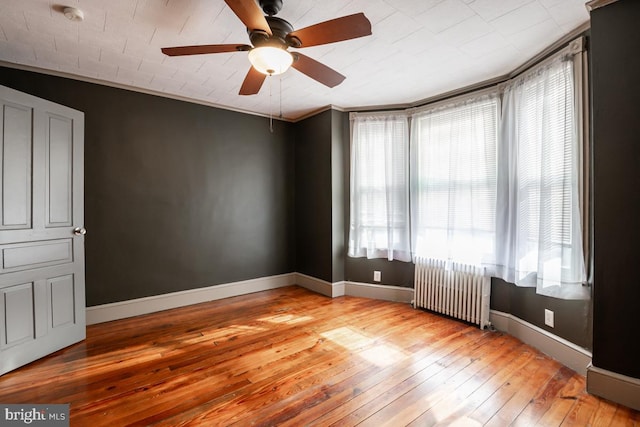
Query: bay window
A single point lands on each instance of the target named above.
(491, 179)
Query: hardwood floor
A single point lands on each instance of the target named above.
(292, 357)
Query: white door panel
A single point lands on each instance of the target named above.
(42, 299)
(17, 135)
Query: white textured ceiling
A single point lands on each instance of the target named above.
(419, 48)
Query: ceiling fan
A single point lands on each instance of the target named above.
(271, 37)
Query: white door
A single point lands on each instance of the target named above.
(42, 300)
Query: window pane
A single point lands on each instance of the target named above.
(379, 224)
(454, 184)
(539, 233)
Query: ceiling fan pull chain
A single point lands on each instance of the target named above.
(270, 105)
(280, 97)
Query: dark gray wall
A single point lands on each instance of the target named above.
(177, 195)
(616, 151)
(319, 197)
(313, 196)
(394, 273)
(339, 122)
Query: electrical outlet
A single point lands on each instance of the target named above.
(548, 317)
(377, 276)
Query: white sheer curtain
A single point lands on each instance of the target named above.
(453, 181)
(538, 220)
(379, 221)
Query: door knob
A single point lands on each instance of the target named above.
(79, 231)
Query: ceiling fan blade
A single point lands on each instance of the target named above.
(252, 82)
(205, 48)
(335, 30)
(250, 14)
(317, 71)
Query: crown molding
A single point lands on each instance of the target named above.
(88, 79)
(486, 84)
(597, 4)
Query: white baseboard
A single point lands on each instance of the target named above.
(355, 289)
(560, 349)
(320, 286)
(138, 306)
(613, 386)
(382, 292)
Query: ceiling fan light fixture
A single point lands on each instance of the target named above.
(270, 60)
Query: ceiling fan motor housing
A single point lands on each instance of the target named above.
(280, 37)
(271, 7)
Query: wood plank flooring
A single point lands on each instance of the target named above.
(291, 357)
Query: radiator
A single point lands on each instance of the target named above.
(457, 290)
